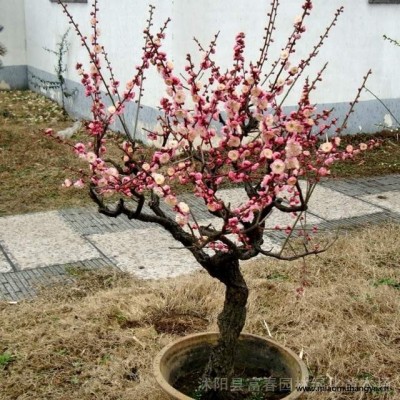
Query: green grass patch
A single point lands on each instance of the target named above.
(6, 359)
(388, 282)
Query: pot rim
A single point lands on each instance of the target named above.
(162, 382)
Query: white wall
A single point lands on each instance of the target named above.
(121, 23)
(12, 17)
(355, 45)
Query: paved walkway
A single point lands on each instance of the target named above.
(37, 248)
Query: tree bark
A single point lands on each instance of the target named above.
(230, 322)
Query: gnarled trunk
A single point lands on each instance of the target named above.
(230, 322)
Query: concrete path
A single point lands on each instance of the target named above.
(37, 248)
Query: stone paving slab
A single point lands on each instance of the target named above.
(42, 239)
(387, 200)
(147, 253)
(331, 205)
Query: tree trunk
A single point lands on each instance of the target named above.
(230, 322)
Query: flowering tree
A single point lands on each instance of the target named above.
(216, 128)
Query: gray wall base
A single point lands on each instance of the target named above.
(14, 77)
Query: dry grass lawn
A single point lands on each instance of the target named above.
(383, 160)
(33, 167)
(96, 339)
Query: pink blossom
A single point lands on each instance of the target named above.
(164, 158)
(266, 180)
(97, 48)
(80, 148)
(213, 206)
(198, 176)
(292, 163)
(111, 172)
(183, 207)
(293, 149)
(297, 20)
(79, 184)
(278, 167)
(326, 147)
(256, 91)
(170, 171)
(67, 183)
(111, 109)
(234, 141)
(130, 85)
(323, 171)
(180, 97)
(249, 217)
(182, 219)
(158, 178)
(158, 191)
(171, 200)
(293, 126)
(337, 140)
(329, 161)
(91, 157)
(266, 153)
(233, 155)
(284, 54)
(232, 222)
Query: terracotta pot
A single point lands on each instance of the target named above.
(189, 354)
